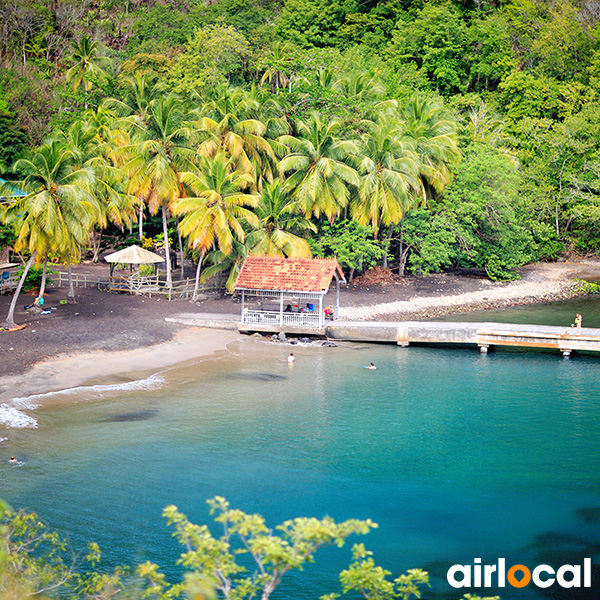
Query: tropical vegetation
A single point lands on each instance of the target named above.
(247, 560)
(460, 135)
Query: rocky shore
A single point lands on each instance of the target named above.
(505, 295)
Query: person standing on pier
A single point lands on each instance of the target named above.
(578, 319)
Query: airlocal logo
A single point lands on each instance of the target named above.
(478, 575)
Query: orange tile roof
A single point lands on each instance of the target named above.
(288, 274)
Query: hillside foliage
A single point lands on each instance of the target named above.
(463, 134)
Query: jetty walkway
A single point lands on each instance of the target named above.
(403, 333)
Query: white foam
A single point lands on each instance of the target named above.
(13, 417)
(3, 439)
(92, 392)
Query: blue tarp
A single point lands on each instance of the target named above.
(15, 191)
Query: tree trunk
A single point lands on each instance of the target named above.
(167, 249)
(197, 282)
(42, 284)
(386, 245)
(181, 251)
(141, 221)
(96, 240)
(71, 292)
(10, 319)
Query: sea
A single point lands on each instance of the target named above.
(457, 456)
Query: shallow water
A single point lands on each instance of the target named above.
(550, 313)
(454, 454)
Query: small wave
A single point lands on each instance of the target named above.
(3, 439)
(92, 391)
(13, 417)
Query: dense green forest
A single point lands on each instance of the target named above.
(421, 135)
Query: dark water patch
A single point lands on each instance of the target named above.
(558, 557)
(140, 415)
(589, 515)
(254, 376)
(552, 539)
(437, 568)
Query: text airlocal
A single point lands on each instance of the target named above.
(543, 576)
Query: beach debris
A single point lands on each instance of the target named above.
(16, 328)
(329, 344)
(376, 276)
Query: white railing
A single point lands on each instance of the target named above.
(268, 317)
(286, 295)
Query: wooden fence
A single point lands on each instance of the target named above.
(149, 286)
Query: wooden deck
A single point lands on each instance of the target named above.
(485, 336)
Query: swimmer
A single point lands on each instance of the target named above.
(13, 461)
(372, 367)
(291, 358)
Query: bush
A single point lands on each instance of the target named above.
(33, 281)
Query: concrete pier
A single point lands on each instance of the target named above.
(485, 336)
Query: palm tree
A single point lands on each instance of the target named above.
(216, 213)
(88, 64)
(280, 220)
(434, 139)
(360, 86)
(138, 91)
(390, 176)
(58, 212)
(219, 263)
(229, 123)
(88, 150)
(159, 154)
(319, 174)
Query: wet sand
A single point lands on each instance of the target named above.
(91, 368)
(115, 338)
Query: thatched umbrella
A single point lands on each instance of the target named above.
(134, 255)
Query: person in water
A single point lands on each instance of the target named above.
(371, 366)
(13, 461)
(291, 358)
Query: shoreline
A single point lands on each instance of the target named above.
(66, 371)
(133, 341)
(513, 294)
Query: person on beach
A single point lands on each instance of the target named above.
(371, 366)
(291, 358)
(578, 319)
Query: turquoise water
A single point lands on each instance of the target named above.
(454, 454)
(558, 314)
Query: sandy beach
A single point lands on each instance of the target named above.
(104, 335)
(89, 368)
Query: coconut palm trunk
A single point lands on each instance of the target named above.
(10, 318)
(42, 284)
(141, 221)
(386, 245)
(198, 270)
(167, 248)
(71, 292)
(181, 252)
